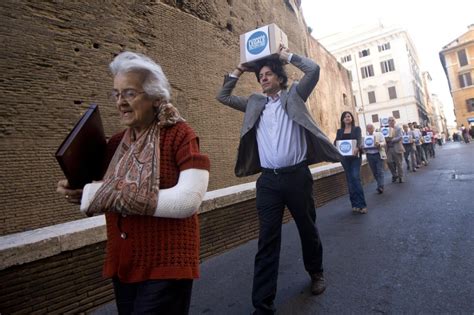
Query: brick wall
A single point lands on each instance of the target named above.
(71, 282)
(54, 64)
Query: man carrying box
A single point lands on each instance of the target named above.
(395, 151)
(280, 139)
(375, 152)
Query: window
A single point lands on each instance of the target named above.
(364, 53)
(387, 66)
(383, 47)
(371, 97)
(375, 118)
(367, 71)
(392, 92)
(349, 72)
(354, 99)
(396, 114)
(470, 105)
(344, 98)
(465, 79)
(462, 57)
(346, 58)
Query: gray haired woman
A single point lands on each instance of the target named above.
(154, 184)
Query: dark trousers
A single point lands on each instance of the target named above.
(351, 167)
(295, 190)
(153, 297)
(376, 166)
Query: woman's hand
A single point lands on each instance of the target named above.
(71, 195)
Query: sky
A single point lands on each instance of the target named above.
(430, 24)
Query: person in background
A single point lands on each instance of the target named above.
(154, 184)
(410, 149)
(418, 137)
(351, 164)
(280, 139)
(395, 152)
(376, 157)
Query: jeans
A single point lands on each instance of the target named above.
(351, 167)
(410, 156)
(376, 166)
(153, 296)
(274, 191)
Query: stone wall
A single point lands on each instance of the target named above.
(54, 64)
(58, 269)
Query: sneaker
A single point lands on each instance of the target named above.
(318, 284)
(380, 190)
(354, 209)
(363, 210)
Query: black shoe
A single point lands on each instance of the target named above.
(318, 284)
(394, 179)
(400, 180)
(380, 190)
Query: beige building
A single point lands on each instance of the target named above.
(457, 59)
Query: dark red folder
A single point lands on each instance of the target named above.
(81, 155)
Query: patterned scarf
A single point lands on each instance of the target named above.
(132, 180)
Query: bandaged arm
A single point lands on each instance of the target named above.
(180, 201)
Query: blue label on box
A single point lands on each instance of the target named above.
(257, 42)
(369, 142)
(345, 147)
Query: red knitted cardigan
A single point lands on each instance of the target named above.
(157, 248)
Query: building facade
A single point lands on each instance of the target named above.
(385, 71)
(457, 59)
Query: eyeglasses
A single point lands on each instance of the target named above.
(126, 94)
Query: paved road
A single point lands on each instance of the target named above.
(412, 253)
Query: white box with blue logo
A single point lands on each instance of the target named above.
(369, 142)
(346, 147)
(261, 43)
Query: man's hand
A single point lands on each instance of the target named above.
(71, 195)
(283, 53)
(240, 69)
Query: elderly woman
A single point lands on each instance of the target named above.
(351, 164)
(151, 191)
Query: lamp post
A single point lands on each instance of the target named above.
(360, 91)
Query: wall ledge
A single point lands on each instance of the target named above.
(24, 247)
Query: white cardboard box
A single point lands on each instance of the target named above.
(369, 142)
(407, 139)
(261, 43)
(385, 131)
(346, 147)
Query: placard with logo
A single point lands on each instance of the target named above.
(346, 147)
(261, 43)
(427, 139)
(385, 131)
(407, 139)
(429, 133)
(369, 142)
(384, 121)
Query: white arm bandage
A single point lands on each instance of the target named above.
(184, 199)
(180, 201)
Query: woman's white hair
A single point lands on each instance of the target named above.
(155, 84)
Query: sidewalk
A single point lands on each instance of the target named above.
(412, 253)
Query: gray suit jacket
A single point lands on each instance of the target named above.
(396, 142)
(293, 102)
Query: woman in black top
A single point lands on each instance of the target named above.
(351, 164)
